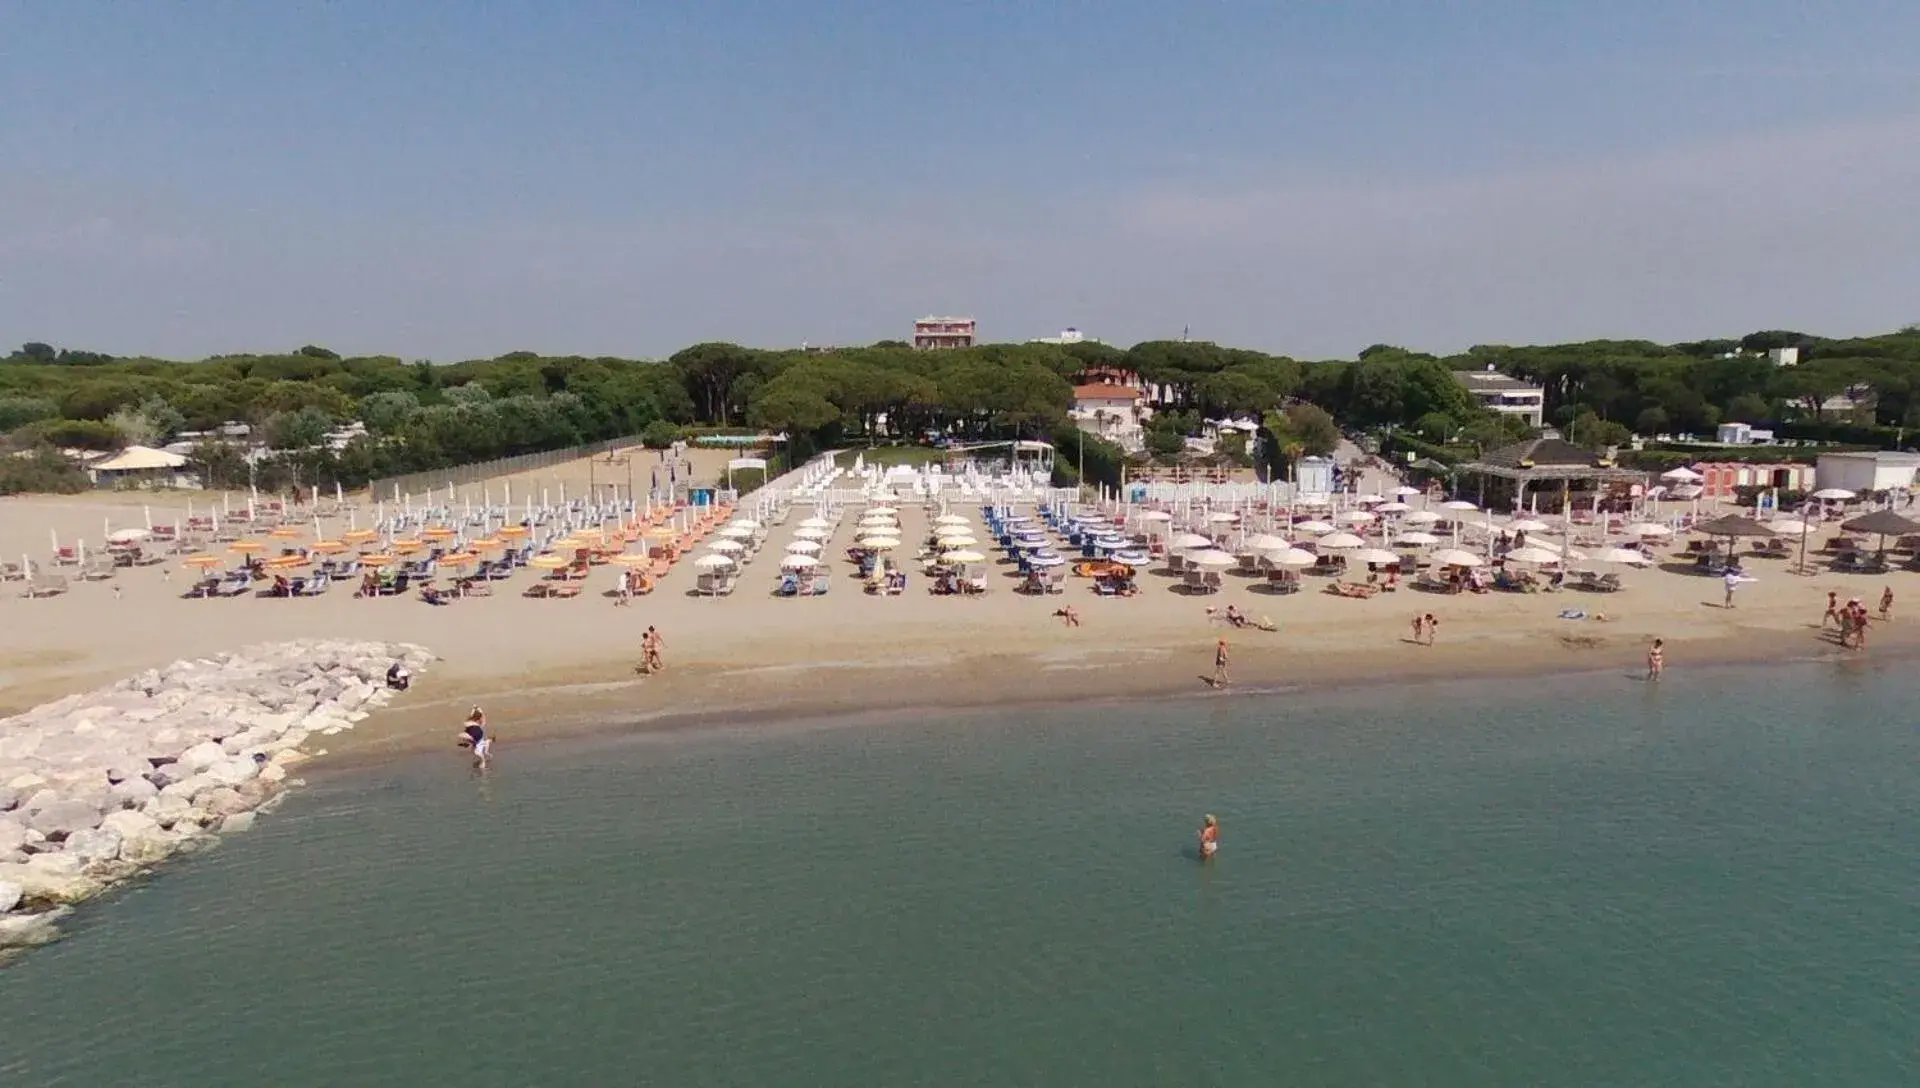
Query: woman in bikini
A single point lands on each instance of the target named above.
(1209, 837)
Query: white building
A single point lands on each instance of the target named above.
(1783, 356)
(1067, 335)
(1743, 434)
(1505, 394)
(940, 333)
(1866, 473)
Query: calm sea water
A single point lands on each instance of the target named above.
(1575, 881)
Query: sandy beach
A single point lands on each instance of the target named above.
(550, 667)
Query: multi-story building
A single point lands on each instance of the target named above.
(1505, 394)
(934, 333)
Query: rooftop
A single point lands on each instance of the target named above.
(1107, 391)
(1493, 381)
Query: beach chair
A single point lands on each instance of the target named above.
(1211, 582)
(1056, 580)
(46, 585)
(1193, 581)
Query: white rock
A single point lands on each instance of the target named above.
(13, 834)
(201, 756)
(130, 824)
(93, 847)
(51, 878)
(236, 823)
(168, 808)
(273, 772)
(65, 818)
(232, 772)
(134, 792)
(26, 930)
(25, 782)
(10, 894)
(222, 801)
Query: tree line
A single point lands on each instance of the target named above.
(419, 415)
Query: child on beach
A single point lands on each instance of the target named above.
(1833, 609)
(1069, 614)
(1886, 603)
(1656, 659)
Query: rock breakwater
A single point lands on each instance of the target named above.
(97, 787)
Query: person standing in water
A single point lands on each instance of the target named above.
(473, 736)
(1656, 659)
(1220, 678)
(1209, 837)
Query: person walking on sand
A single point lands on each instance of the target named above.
(1432, 625)
(651, 645)
(1656, 659)
(1220, 678)
(1419, 628)
(1833, 609)
(1886, 603)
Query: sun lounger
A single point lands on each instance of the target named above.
(46, 585)
(1352, 589)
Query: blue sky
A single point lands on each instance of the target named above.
(448, 180)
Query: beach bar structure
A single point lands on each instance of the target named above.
(1546, 464)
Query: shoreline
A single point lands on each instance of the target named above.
(580, 702)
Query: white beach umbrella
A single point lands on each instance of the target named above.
(808, 532)
(713, 562)
(1334, 542)
(1405, 490)
(1833, 494)
(1461, 505)
(127, 536)
(1266, 542)
(1314, 528)
(880, 543)
(1421, 517)
(803, 547)
(726, 547)
(1378, 556)
(1353, 517)
(1188, 541)
(799, 562)
(883, 520)
(956, 543)
(1369, 499)
(1312, 500)
(1682, 475)
(734, 532)
(1223, 518)
(815, 523)
(887, 510)
(743, 523)
(1532, 555)
(952, 530)
(1626, 556)
(1290, 557)
(1648, 530)
(1417, 539)
(962, 556)
(949, 519)
(1454, 557)
(1529, 525)
(1392, 508)
(1156, 515)
(1211, 557)
(1788, 526)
